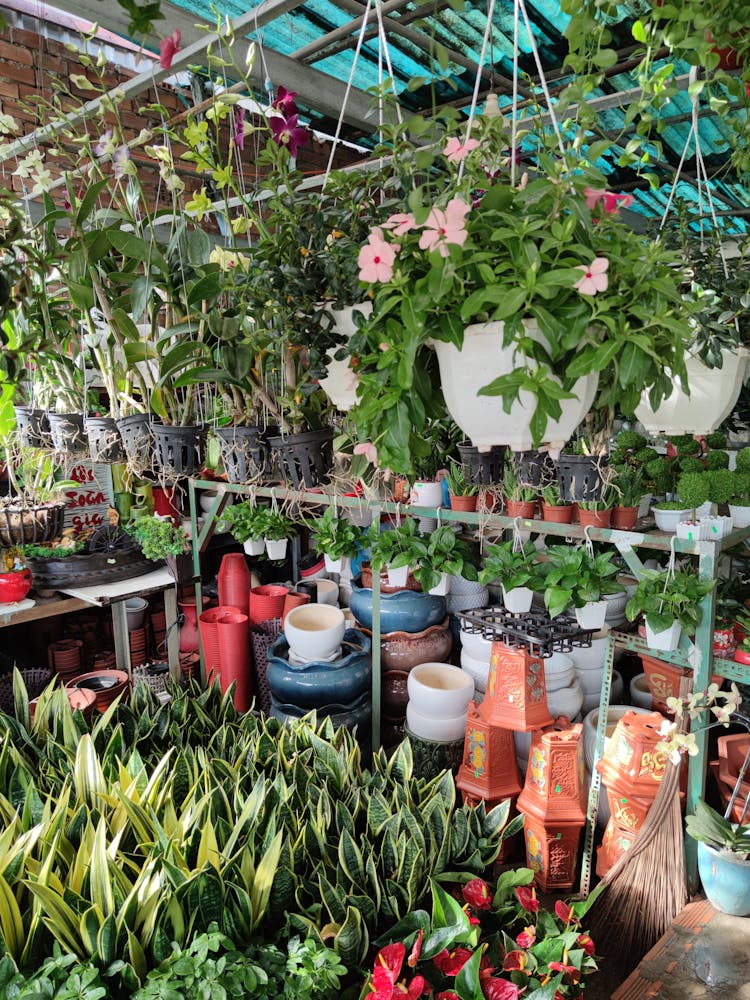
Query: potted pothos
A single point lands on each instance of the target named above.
(575, 578)
(518, 570)
(670, 602)
(247, 523)
(277, 530)
(399, 549)
(337, 538)
(445, 556)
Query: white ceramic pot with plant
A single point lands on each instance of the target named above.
(578, 578)
(247, 523)
(426, 493)
(445, 556)
(669, 513)
(670, 602)
(515, 566)
(337, 538)
(399, 549)
(277, 530)
(314, 631)
(340, 381)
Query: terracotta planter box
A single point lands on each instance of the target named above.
(664, 679)
(516, 696)
(552, 852)
(631, 761)
(553, 790)
(489, 772)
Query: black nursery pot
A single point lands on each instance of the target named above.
(579, 477)
(243, 452)
(483, 468)
(179, 451)
(305, 460)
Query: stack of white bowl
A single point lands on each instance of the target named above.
(564, 698)
(439, 696)
(475, 660)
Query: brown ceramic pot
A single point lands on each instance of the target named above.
(557, 513)
(404, 650)
(624, 518)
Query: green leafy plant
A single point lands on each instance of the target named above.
(628, 485)
(574, 578)
(458, 483)
(551, 495)
(277, 526)
(717, 460)
(399, 546)
(512, 567)
(445, 553)
(710, 827)
(693, 490)
(663, 597)
(336, 536)
(721, 485)
(246, 521)
(515, 490)
(159, 538)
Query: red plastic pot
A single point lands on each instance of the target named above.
(208, 628)
(521, 508)
(164, 502)
(557, 513)
(14, 586)
(233, 637)
(293, 600)
(624, 518)
(594, 518)
(266, 602)
(234, 581)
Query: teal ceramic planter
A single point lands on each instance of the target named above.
(355, 714)
(402, 611)
(725, 880)
(317, 683)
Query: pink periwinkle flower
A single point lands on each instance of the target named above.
(444, 228)
(169, 47)
(455, 150)
(400, 223)
(594, 277)
(611, 202)
(376, 258)
(287, 132)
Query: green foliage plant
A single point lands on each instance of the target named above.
(663, 597)
(717, 460)
(246, 521)
(628, 485)
(336, 536)
(512, 567)
(743, 460)
(741, 489)
(514, 490)
(159, 537)
(446, 553)
(721, 484)
(399, 546)
(709, 827)
(574, 577)
(277, 526)
(458, 482)
(693, 490)
(551, 496)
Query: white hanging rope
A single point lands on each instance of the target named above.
(478, 79)
(514, 103)
(386, 52)
(542, 79)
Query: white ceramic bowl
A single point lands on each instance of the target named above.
(439, 691)
(314, 631)
(667, 520)
(328, 592)
(476, 645)
(478, 670)
(558, 671)
(444, 730)
(591, 698)
(565, 701)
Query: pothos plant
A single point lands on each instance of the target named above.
(445, 553)
(335, 536)
(574, 577)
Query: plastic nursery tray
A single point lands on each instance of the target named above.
(534, 631)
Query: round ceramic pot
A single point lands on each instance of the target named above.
(404, 650)
(327, 592)
(14, 586)
(439, 691)
(726, 880)
(475, 645)
(403, 611)
(106, 685)
(478, 670)
(317, 683)
(354, 714)
(428, 494)
(565, 701)
(433, 756)
(444, 729)
(640, 694)
(135, 609)
(314, 631)
(558, 672)
(394, 692)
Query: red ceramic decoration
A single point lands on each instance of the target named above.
(164, 503)
(615, 842)
(742, 656)
(664, 679)
(234, 581)
(516, 697)
(555, 787)
(631, 761)
(551, 852)
(14, 586)
(489, 770)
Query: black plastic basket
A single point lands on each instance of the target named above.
(483, 468)
(137, 441)
(243, 453)
(534, 631)
(579, 477)
(305, 460)
(179, 451)
(105, 443)
(67, 433)
(534, 468)
(262, 637)
(32, 426)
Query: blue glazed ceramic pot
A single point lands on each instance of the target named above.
(357, 712)
(402, 611)
(319, 683)
(725, 880)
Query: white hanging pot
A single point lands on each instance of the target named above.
(276, 548)
(592, 615)
(518, 600)
(713, 393)
(340, 382)
(667, 639)
(335, 565)
(442, 588)
(426, 494)
(254, 546)
(482, 418)
(740, 515)
(398, 577)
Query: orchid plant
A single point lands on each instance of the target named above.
(711, 707)
(483, 943)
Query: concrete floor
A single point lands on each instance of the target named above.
(705, 954)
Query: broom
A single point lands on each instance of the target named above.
(646, 887)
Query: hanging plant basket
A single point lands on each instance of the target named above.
(105, 443)
(484, 468)
(32, 426)
(534, 468)
(67, 433)
(243, 452)
(26, 525)
(137, 441)
(579, 477)
(305, 460)
(179, 451)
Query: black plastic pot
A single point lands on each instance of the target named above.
(32, 426)
(243, 453)
(179, 451)
(534, 468)
(137, 441)
(579, 477)
(305, 460)
(105, 443)
(67, 433)
(484, 468)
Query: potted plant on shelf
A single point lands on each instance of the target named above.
(462, 492)
(247, 523)
(160, 539)
(693, 491)
(520, 500)
(723, 859)
(739, 503)
(596, 513)
(34, 511)
(554, 508)
(670, 603)
(445, 556)
(519, 573)
(579, 579)
(337, 538)
(628, 488)
(399, 549)
(277, 530)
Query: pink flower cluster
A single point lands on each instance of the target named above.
(441, 229)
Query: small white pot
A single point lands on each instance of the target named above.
(254, 546)
(566, 701)
(692, 531)
(335, 565)
(740, 515)
(398, 577)
(558, 671)
(639, 692)
(716, 527)
(518, 600)
(439, 690)
(667, 639)
(442, 588)
(592, 615)
(427, 494)
(276, 548)
(667, 520)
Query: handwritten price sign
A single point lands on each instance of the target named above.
(86, 506)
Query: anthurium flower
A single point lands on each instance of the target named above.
(527, 898)
(284, 102)
(444, 228)
(570, 972)
(594, 277)
(169, 47)
(563, 911)
(400, 223)
(584, 941)
(416, 948)
(526, 938)
(455, 150)
(477, 893)
(501, 989)
(447, 995)
(287, 132)
(450, 963)
(376, 258)
(514, 961)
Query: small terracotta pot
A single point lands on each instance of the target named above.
(557, 513)
(595, 518)
(293, 600)
(624, 518)
(266, 602)
(521, 508)
(464, 503)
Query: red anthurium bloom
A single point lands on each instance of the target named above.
(415, 952)
(485, 969)
(450, 963)
(526, 938)
(411, 990)
(168, 48)
(286, 132)
(514, 961)
(477, 894)
(447, 995)
(501, 989)
(382, 984)
(571, 974)
(527, 898)
(584, 941)
(563, 911)
(391, 958)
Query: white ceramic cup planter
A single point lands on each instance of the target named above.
(397, 577)
(740, 515)
(566, 701)
(314, 631)
(475, 645)
(443, 729)
(335, 565)
(667, 520)
(592, 615)
(439, 690)
(640, 694)
(667, 639)
(558, 671)
(276, 548)
(442, 588)
(254, 546)
(478, 670)
(518, 600)
(327, 592)
(427, 494)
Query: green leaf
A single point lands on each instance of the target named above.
(467, 981)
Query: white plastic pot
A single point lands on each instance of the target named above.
(483, 420)
(439, 690)
(335, 565)
(442, 587)
(518, 600)
(340, 382)
(429, 494)
(398, 577)
(667, 639)
(592, 615)
(740, 515)
(135, 609)
(692, 531)
(254, 546)
(667, 520)
(276, 548)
